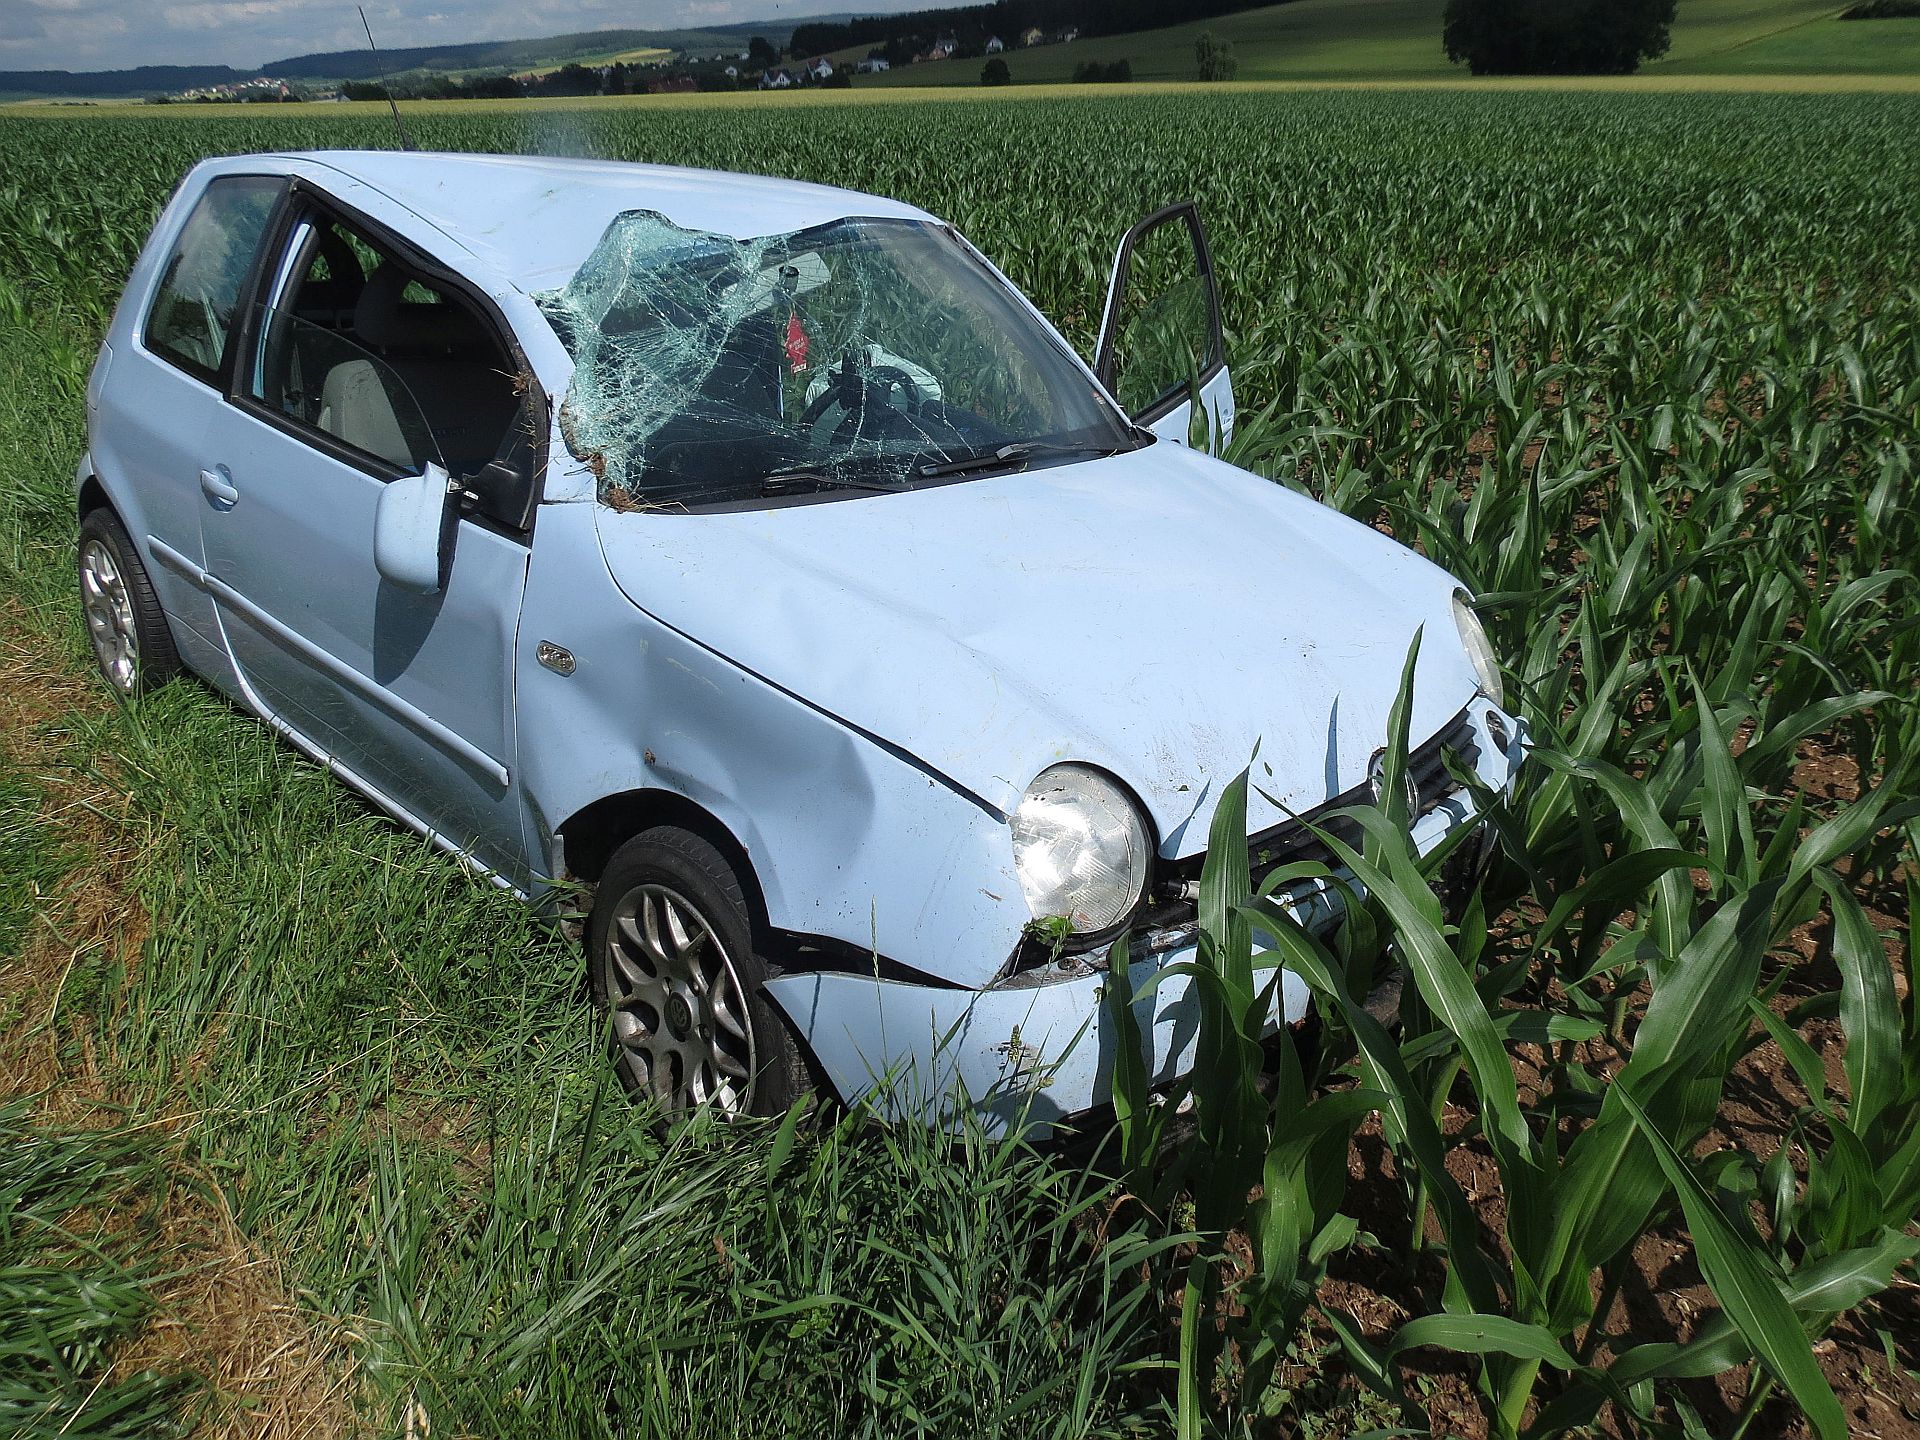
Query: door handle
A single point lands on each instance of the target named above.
(218, 486)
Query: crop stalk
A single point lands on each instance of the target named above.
(1513, 1404)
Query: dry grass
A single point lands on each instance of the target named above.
(224, 1311)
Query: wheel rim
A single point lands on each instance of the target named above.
(109, 612)
(679, 1009)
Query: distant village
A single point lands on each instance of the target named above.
(760, 66)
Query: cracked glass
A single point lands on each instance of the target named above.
(857, 355)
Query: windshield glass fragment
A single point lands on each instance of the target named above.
(856, 355)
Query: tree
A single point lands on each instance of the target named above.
(760, 52)
(1215, 57)
(1556, 37)
(995, 72)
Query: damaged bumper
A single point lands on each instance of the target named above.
(1039, 1045)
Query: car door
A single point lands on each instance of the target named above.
(410, 694)
(1161, 345)
(165, 386)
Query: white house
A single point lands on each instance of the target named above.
(995, 45)
(776, 80)
(819, 67)
(873, 65)
(733, 72)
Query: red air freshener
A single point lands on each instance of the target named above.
(796, 344)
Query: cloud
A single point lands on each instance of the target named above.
(219, 14)
(18, 27)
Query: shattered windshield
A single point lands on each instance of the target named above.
(858, 355)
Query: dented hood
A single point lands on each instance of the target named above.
(1156, 614)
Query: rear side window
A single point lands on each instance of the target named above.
(193, 310)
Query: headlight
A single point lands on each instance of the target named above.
(1080, 848)
(1473, 635)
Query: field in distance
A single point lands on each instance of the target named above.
(1400, 40)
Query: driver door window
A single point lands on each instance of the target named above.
(390, 367)
(321, 378)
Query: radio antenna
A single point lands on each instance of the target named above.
(406, 140)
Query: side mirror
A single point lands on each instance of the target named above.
(409, 530)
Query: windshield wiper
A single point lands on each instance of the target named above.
(1017, 453)
(809, 482)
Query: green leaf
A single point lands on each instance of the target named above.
(1723, 794)
(1689, 1014)
(1482, 1335)
(1745, 1286)
(1824, 1287)
(1807, 1068)
(1444, 984)
(1869, 1011)
(1134, 1113)
(1370, 1363)
(1853, 826)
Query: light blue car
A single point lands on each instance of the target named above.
(754, 556)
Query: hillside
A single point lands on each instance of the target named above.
(1400, 40)
(500, 55)
(543, 53)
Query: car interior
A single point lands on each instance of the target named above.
(379, 358)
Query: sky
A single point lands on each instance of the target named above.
(118, 34)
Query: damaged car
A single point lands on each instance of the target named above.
(754, 558)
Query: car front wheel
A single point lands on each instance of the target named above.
(671, 958)
(128, 630)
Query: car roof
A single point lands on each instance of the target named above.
(532, 219)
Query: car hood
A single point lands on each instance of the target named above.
(1157, 614)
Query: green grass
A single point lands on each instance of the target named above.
(74, 1292)
(1399, 40)
(1826, 47)
(1640, 368)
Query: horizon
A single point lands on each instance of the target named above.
(99, 35)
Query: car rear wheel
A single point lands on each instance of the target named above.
(671, 958)
(125, 624)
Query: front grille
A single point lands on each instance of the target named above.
(1293, 840)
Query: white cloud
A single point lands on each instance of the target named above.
(219, 14)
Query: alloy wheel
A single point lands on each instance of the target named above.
(679, 1009)
(109, 610)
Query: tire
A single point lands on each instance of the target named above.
(132, 645)
(669, 939)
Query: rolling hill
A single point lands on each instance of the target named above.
(1400, 40)
(543, 53)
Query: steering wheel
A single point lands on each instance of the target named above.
(856, 391)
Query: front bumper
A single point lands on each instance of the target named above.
(1043, 1050)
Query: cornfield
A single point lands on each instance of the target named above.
(1643, 370)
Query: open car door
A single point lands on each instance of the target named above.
(1160, 341)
